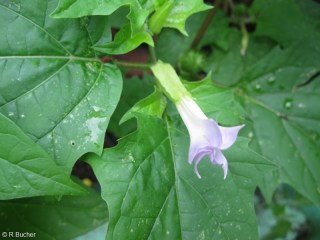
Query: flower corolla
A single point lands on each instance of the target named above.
(207, 138)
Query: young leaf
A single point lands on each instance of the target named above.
(52, 218)
(53, 86)
(139, 10)
(26, 169)
(134, 89)
(181, 10)
(152, 191)
(124, 42)
(153, 105)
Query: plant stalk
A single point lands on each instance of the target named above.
(133, 65)
(205, 24)
(152, 54)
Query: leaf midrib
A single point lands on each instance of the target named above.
(71, 58)
(37, 86)
(175, 170)
(76, 105)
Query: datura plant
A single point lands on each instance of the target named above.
(162, 119)
(206, 136)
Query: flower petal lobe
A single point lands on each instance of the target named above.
(229, 135)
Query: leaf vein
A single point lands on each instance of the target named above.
(39, 27)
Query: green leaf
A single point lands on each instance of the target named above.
(134, 89)
(216, 34)
(139, 10)
(283, 106)
(131, 36)
(52, 218)
(153, 105)
(26, 168)
(280, 92)
(124, 41)
(159, 17)
(181, 10)
(53, 86)
(218, 103)
(287, 21)
(152, 192)
(313, 215)
(118, 18)
(228, 65)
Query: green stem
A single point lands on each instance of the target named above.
(132, 64)
(152, 53)
(205, 24)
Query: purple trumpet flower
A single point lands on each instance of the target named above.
(206, 136)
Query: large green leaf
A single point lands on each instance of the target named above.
(228, 65)
(26, 169)
(153, 193)
(52, 84)
(287, 21)
(283, 106)
(52, 218)
(279, 90)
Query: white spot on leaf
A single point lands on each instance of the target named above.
(93, 125)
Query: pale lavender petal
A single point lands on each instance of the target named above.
(220, 159)
(212, 133)
(229, 136)
(196, 168)
(194, 151)
(205, 132)
(204, 136)
(199, 156)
